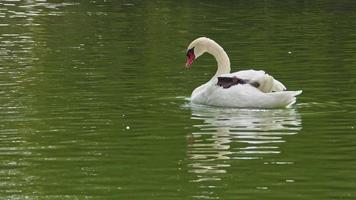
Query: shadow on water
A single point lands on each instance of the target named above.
(226, 136)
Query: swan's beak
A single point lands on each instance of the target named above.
(190, 58)
(189, 62)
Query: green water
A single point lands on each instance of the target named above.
(94, 101)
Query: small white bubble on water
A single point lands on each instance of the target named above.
(127, 128)
(289, 52)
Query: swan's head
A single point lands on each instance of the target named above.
(195, 49)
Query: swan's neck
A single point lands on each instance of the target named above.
(221, 58)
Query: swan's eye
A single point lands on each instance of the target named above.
(190, 52)
(190, 57)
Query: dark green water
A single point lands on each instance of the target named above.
(93, 101)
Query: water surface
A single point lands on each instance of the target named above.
(94, 105)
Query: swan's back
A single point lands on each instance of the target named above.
(265, 82)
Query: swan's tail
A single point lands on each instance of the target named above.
(285, 98)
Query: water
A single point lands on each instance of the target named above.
(94, 101)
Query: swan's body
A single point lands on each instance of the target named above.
(244, 89)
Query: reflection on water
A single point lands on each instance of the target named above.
(243, 134)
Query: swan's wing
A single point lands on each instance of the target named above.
(258, 79)
(278, 86)
(227, 82)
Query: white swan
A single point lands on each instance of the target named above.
(243, 89)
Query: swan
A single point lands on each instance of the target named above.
(242, 89)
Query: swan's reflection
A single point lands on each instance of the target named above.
(225, 134)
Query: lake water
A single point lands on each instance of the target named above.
(94, 101)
